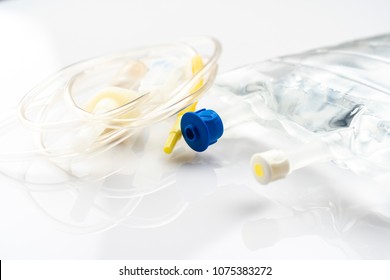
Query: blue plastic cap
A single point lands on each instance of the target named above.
(201, 129)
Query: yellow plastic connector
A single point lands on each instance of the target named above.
(175, 133)
(111, 98)
(119, 92)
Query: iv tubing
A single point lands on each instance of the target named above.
(119, 128)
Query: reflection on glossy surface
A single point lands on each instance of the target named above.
(132, 184)
(126, 198)
(353, 216)
(193, 203)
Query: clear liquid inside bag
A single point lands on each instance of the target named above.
(338, 95)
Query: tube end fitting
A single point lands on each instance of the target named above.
(270, 166)
(201, 129)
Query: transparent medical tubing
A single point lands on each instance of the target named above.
(335, 99)
(93, 105)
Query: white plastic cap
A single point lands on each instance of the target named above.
(270, 166)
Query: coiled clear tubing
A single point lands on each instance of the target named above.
(102, 159)
(56, 131)
(337, 96)
(57, 109)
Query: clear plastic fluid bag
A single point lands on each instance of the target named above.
(336, 100)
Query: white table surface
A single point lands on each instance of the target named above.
(321, 212)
